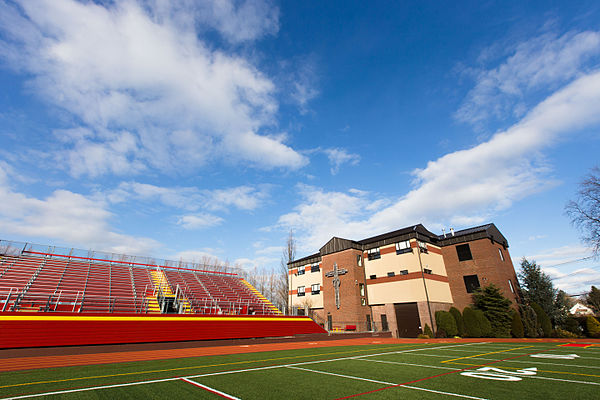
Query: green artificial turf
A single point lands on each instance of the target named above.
(421, 374)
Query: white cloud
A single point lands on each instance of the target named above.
(463, 187)
(563, 254)
(269, 250)
(66, 216)
(148, 91)
(199, 221)
(338, 157)
(576, 282)
(245, 198)
(541, 63)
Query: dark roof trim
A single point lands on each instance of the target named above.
(305, 260)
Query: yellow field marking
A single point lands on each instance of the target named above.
(146, 318)
(191, 367)
(539, 370)
(485, 354)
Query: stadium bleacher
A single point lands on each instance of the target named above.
(54, 280)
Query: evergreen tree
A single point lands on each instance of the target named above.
(484, 324)
(460, 322)
(530, 322)
(427, 331)
(496, 309)
(537, 288)
(543, 319)
(472, 328)
(593, 299)
(517, 329)
(445, 321)
(593, 327)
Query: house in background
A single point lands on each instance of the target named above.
(580, 309)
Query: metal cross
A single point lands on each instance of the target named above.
(336, 281)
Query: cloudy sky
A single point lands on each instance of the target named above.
(213, 127)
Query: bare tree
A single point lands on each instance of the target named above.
(585, 210)
(289, 254)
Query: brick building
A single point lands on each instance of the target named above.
(398, 280)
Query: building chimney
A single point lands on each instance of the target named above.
(444, 232)
(452, 231)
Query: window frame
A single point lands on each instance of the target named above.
(312, 288)
(361, 289)
(427, 271)
(373, 276)
(301, 293)
(501, 255)
(391, 274)
(461, 254)
(315, 267)
(512, 289)
(469, 287)
(403, 272)
(422, 246)
(403, 250)
(374, 253)
(301, 271)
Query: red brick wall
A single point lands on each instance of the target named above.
(351, 312)
(486, 264)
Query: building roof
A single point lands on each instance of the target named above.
(335, 244)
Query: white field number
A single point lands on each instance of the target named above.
(556, 356)
(498, 374)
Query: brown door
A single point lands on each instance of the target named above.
(407, 317)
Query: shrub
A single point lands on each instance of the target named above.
(472, 328)
(460, 322)
(530, 323)
(445, 321)
(427, 331)
(496, 309)
(593, 327)
(422, 336)
(543, 320)
(562, 334)
(572, 325)
(484, 323)
(517, 330)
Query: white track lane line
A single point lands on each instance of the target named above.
(211, 390)
(223, 373)
(389, 383)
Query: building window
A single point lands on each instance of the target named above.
(464, 252)
(427, 271)
(301, 271)
(390, 274)
(403, 247)
(361, 288)
(359, 260)
(422, 246)
(314, 267)
(300, 291)
(471, 283)
(373, 276)
(404, 272)
(511, 286)
(363, 302)
(501, 255)
(374, 254)
(315, 289)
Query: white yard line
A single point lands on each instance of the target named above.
(212, 390)
(388, 383)
(412, 365)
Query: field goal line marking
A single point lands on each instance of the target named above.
(388, 383)
(211, 390)
(219, 373)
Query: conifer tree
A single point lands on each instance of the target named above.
(496, 308)
(517, 328)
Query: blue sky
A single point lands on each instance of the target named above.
(209, 129)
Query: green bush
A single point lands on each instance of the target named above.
(593, 327)
(562, 334)
(530, 323)
(445, 321)
(460, 322)
(517, 330)
(472, 328)
(422, 336)
(484, 324)
(542, 319)
(427, 331)
(572, 325)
